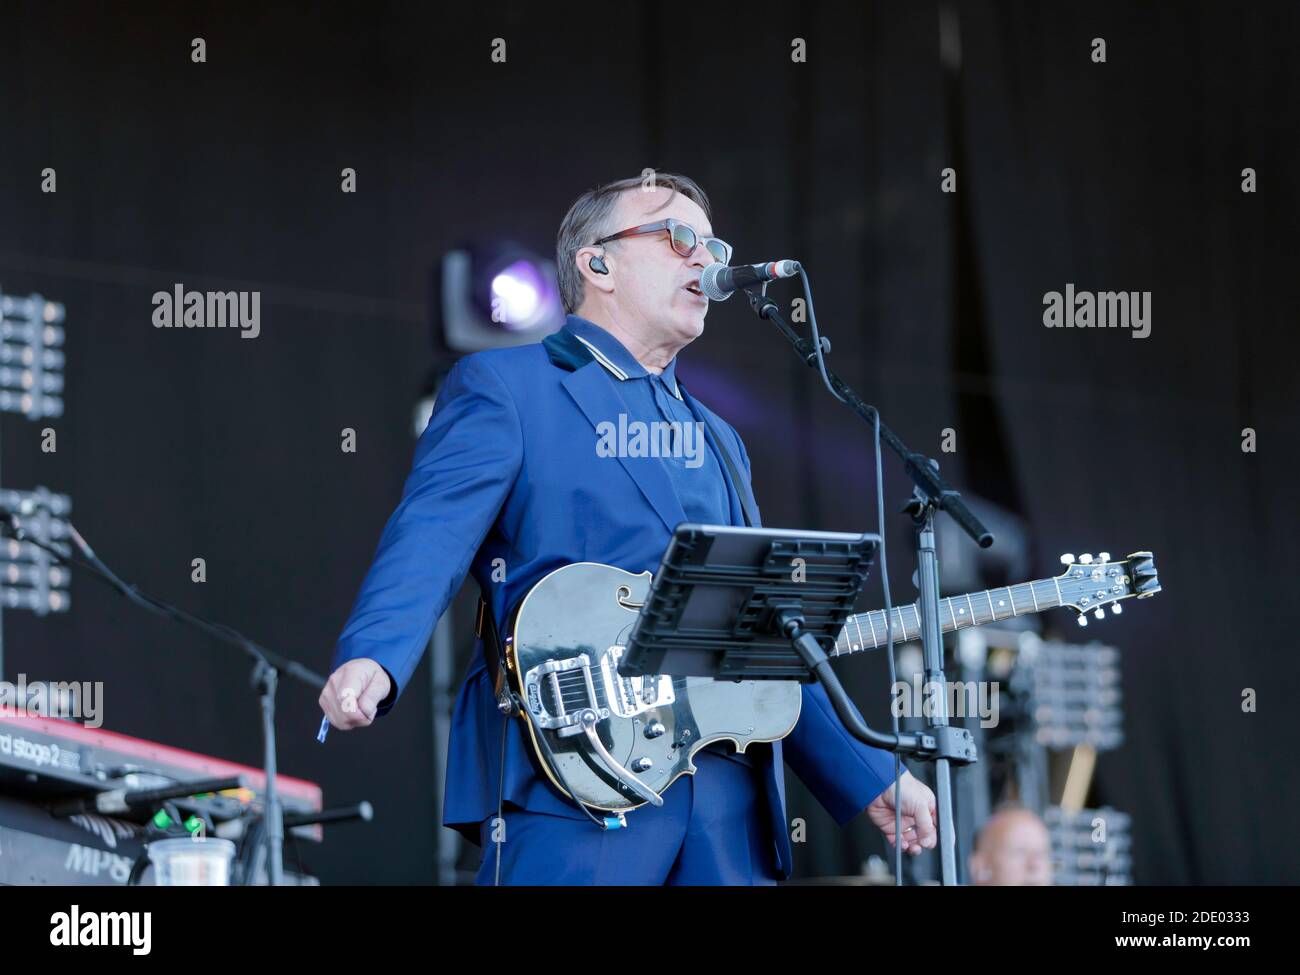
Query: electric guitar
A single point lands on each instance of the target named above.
(616, 743)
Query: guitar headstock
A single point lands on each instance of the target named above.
(1089, 585)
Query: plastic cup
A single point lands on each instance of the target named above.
(188, 862)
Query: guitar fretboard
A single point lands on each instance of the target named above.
(867, 631)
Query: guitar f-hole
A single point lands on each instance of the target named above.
(625, 598)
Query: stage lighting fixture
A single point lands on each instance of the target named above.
(30, 578)
(1090, 847)
(1076, 696)
(488, 296)
(31, 356)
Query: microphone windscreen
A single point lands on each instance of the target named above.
(710, 285)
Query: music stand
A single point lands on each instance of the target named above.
(723, 596)
(766, 604)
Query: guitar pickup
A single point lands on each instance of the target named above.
(630, 696)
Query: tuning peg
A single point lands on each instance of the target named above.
(1103, 556)
(1085, 559)
(1116, 608)
(1099, 613)
(1067, 559)
(1083, 619)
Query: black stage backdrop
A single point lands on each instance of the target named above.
(1123, 175)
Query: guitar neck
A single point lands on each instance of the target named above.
(868, 631)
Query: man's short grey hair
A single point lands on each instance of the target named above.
(588, 220)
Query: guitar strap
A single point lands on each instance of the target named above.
(509, 705)
(485, 628)
(746, 503)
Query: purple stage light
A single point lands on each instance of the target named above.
(523, 295)
(493, 294)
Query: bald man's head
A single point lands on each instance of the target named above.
(1012, 850)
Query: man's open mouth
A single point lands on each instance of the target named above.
(694, 288)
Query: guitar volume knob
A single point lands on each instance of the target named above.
(654, 729)
(642, 764)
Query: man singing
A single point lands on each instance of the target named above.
(508, 484)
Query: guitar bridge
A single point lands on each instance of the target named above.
(557, 692)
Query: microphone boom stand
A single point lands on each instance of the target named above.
(940, 743)
(267, 668)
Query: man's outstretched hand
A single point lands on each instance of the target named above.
(353, 692)
(919, 814)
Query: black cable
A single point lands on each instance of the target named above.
(501, 795)
(549, 759)
(564, 783)
(893, 667)
(96, 567)
(884, 575)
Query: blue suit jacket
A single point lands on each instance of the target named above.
(507, 469)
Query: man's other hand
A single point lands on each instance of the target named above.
(919, 814)
(353, 692)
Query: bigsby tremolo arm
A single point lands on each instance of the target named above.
(588, 719)
(626, 696)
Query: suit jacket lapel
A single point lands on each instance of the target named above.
(595, 392)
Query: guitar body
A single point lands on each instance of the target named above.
(616, 743)
(567, 639)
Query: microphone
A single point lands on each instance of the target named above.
(718, 281)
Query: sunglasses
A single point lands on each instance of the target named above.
(681, 236)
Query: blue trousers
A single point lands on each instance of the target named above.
(711, 829)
